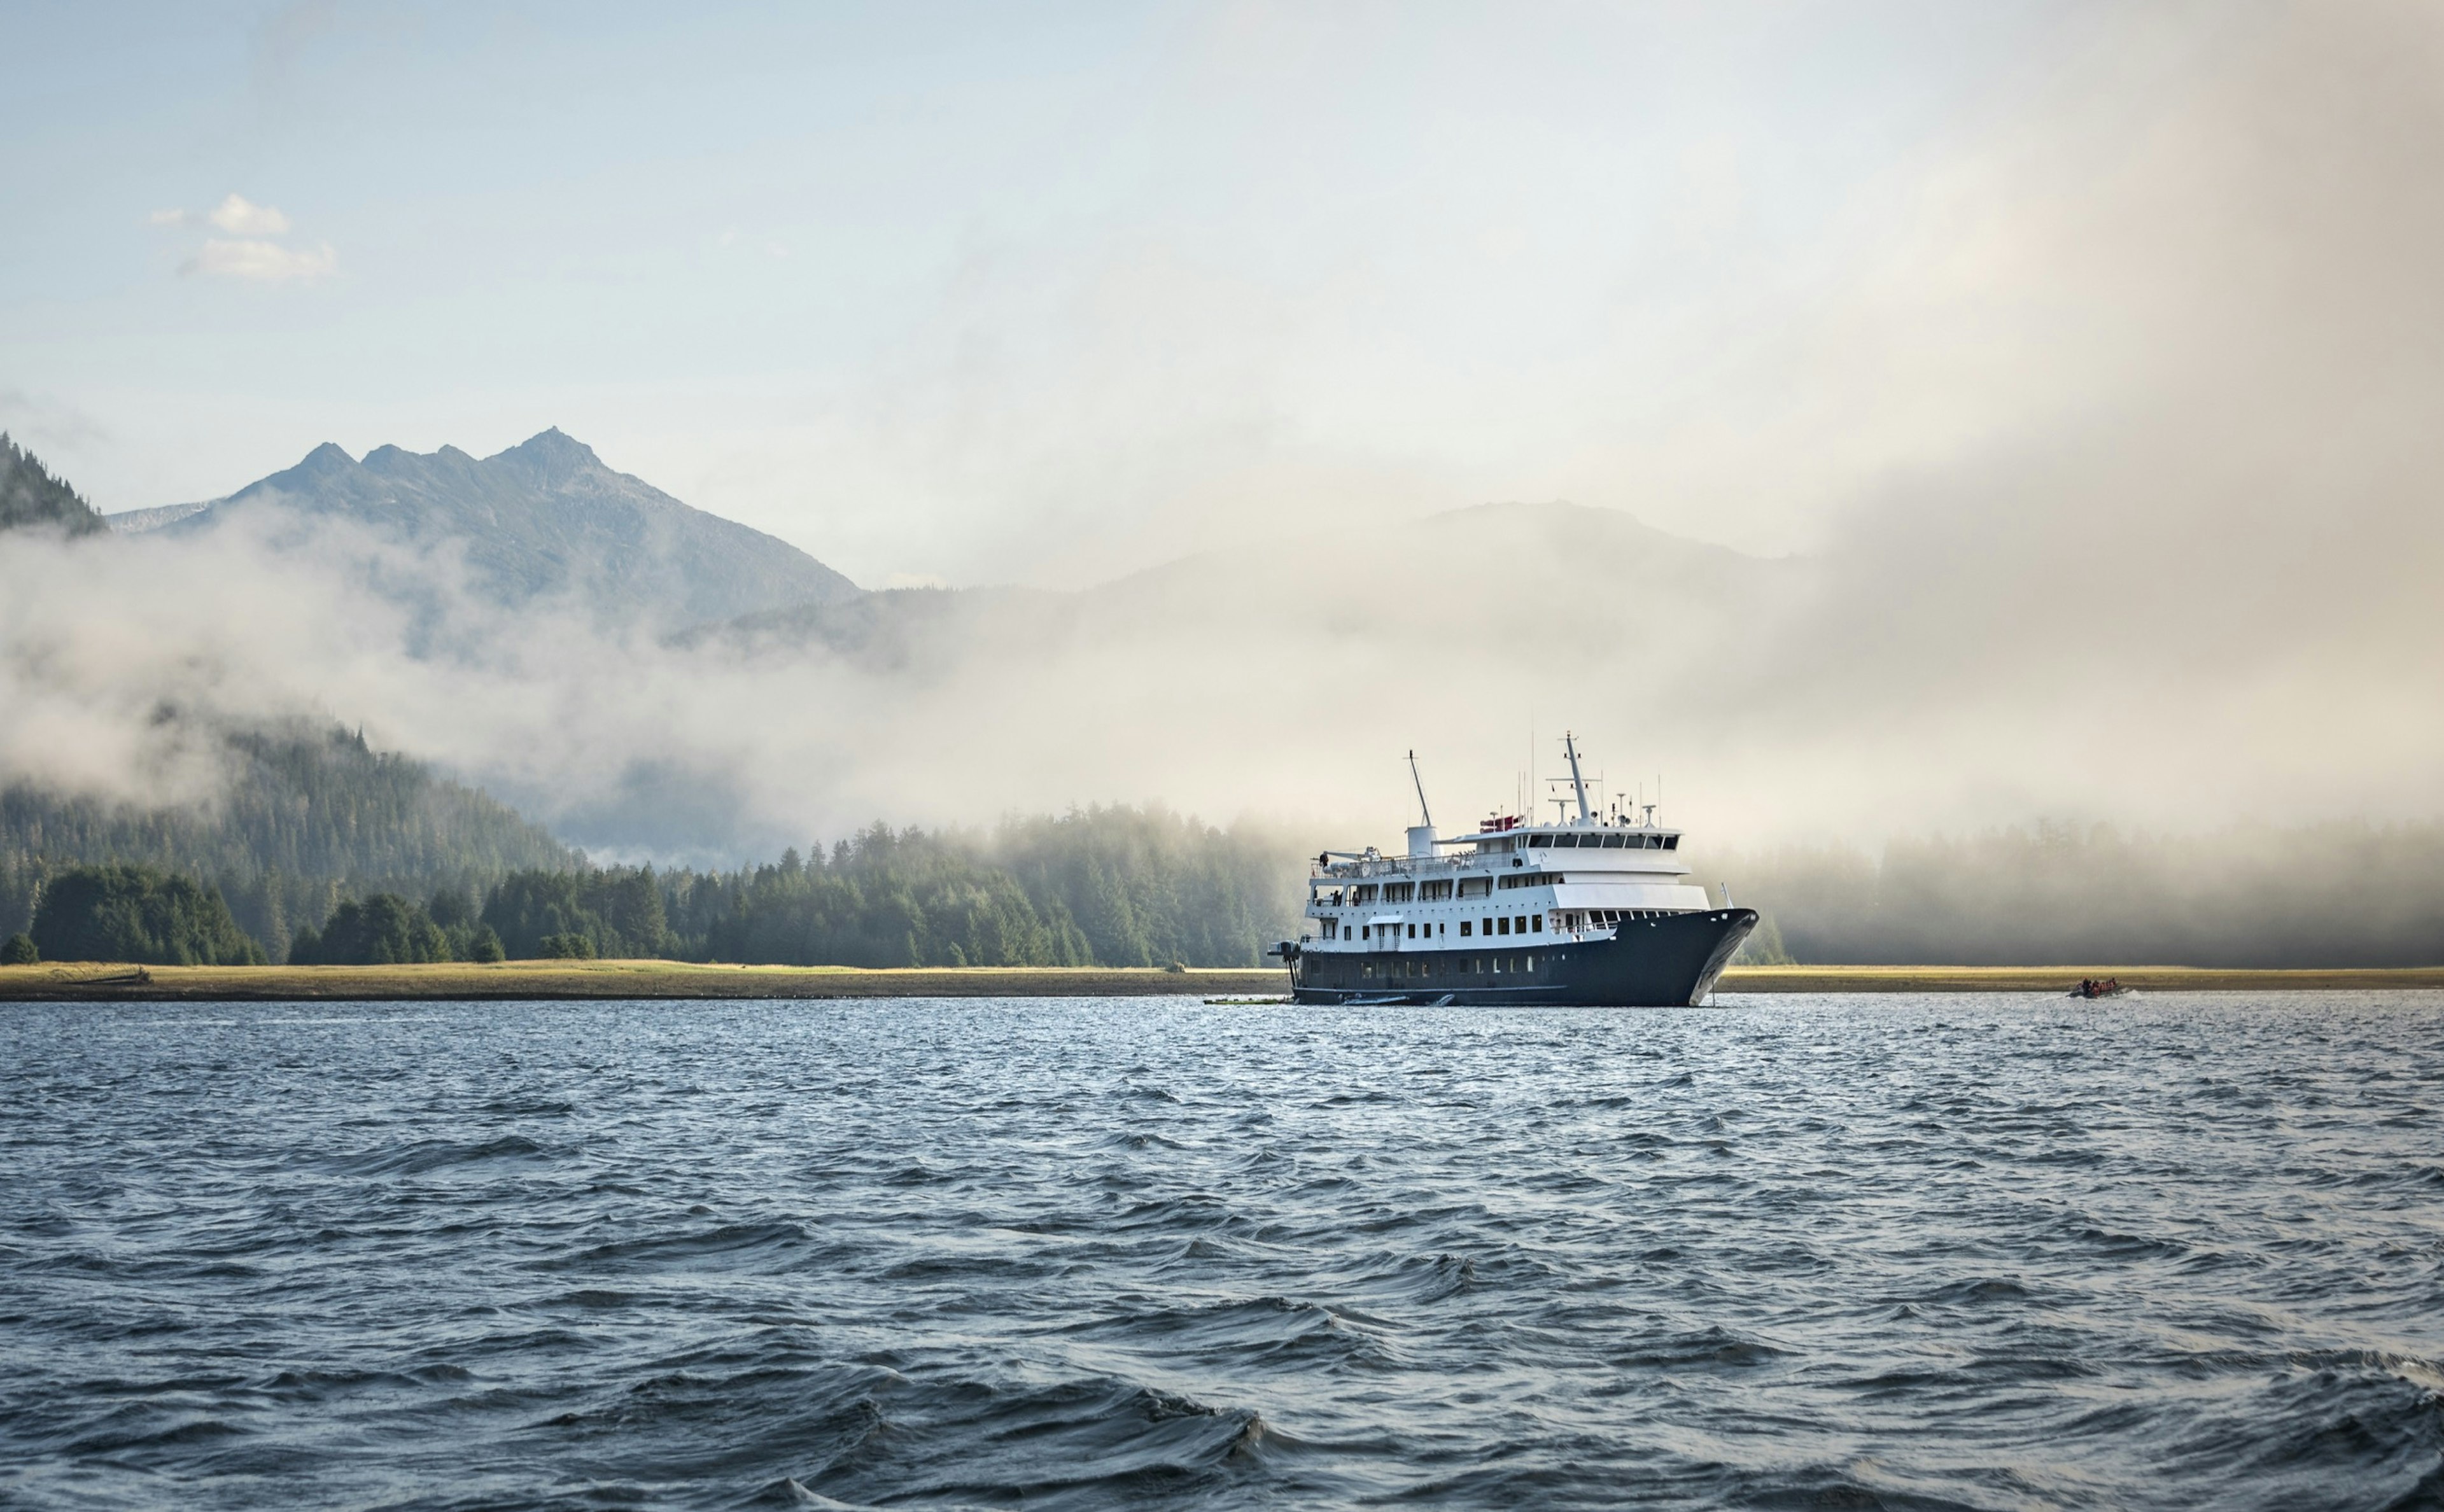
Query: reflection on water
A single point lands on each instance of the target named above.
(1840, 1252)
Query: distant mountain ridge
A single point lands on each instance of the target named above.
(543, 518)
(29, 496)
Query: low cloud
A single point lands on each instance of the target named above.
(2158, 548)
(266, 262)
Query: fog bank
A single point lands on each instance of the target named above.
(2123, 423)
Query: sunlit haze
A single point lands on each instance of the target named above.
(2063, 376)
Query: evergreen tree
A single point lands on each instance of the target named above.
(137, 914)
(383, 930)
(30, 497)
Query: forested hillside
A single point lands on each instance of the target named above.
(326, 850)
(1103, 887)
(2338, 894)
(30, 496)
(305, 819)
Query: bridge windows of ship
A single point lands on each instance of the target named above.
(1605, 840)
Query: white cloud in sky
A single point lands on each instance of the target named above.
(264, 261)
(246, 250)
(240, 216)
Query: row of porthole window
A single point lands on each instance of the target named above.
(1474, 966)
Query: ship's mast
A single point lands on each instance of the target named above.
(1578, 783)
(1425, 815)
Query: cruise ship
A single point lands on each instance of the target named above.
(1595, 910)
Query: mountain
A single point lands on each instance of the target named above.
(543, 519)
(1472, 591)
(29, 496)
(137, 522)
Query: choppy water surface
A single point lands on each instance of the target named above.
(1782, 1252)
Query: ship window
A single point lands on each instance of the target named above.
(1399, 892)
(1505, 926)
(1537, 842)
(1670, 842)
(1476, 886)
(1566, 842)
(1463, 928)
(1538, 924)
(1434, 892)
(1413, 931)
(1614, 842)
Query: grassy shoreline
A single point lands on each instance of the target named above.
(680, 981)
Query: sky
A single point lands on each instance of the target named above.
(2063, 378)
(985, 293)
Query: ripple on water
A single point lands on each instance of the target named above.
(1803, 1252)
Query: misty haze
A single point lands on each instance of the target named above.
(1313, 605)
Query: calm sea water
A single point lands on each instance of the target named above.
(1903, 1252)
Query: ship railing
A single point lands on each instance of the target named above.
(1385, 866)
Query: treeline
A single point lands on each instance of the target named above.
(132, 913)
(1105, 886)
(305, 820)
(30, 496)
(1143, 887)
(1102, 887)
(2333, 895)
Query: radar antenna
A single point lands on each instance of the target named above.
(1578, 783)
(1426, 816)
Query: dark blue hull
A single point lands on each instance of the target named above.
(1665, 962)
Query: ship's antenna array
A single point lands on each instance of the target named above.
(1578, 783)
(1425, 815)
